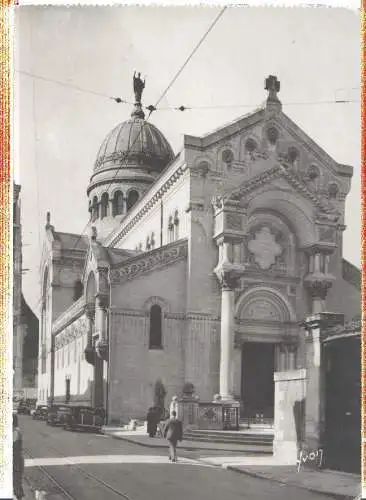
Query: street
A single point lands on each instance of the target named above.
(78, 466)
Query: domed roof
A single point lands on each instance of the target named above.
(135, 141)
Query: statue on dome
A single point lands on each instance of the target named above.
(138, 86)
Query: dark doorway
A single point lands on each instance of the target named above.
(257, 387)
(343, 404)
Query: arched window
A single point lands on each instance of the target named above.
(132, 198)
(333, 190)
(117, 203)
(95, 209)
(250, 145)
(227, 156)
(104, 205)
(155, 339)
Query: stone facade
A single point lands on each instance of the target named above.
(234, 243)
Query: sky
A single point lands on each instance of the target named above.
(315, 52)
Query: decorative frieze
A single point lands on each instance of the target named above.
(156, 259)
(70, 315)
(71, 332)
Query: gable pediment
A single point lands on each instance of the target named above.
(255, 142)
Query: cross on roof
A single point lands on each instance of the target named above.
(273, 86)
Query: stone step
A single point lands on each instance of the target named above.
(229, 437)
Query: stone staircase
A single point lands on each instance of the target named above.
(254, 439)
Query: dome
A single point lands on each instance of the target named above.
(137, 141)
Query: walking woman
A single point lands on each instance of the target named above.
(173, 432)
(18, 460)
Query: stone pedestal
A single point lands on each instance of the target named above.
(187, 410)
(290, 388)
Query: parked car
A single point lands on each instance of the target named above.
(23, 408)
(40, 412)
(57, 414)
(85, 418)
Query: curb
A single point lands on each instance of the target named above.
(182, 447)
(335, 496)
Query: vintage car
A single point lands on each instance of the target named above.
(24, 407)
(40, 412)
(85, 418)
(57, 414)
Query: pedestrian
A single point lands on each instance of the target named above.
(152, 422)
(18, 460)
(173, 432)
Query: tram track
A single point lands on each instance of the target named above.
(62, 489)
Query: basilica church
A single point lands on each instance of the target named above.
(198, 268)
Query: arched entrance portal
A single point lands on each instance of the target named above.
(264, 321)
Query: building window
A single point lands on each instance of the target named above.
(117, 203)
(155, 339)
(152, 240)
(250, 145)
(227, 156)
(333, 190)
(104, 205)
(148, 244)
(272, 135)
(95, 209)
(132, 198)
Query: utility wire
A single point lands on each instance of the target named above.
(69, 85)
(119, 100)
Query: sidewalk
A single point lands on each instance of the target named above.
(141, 438)
(339, 485)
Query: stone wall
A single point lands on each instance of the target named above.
(134, 368)
(290, 389)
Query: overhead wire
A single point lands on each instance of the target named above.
(182, 107)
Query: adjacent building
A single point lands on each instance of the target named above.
(25, 322)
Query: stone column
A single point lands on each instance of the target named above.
(318, 289)
(316, 327)
(227, 341)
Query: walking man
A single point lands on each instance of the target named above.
(173, 432)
